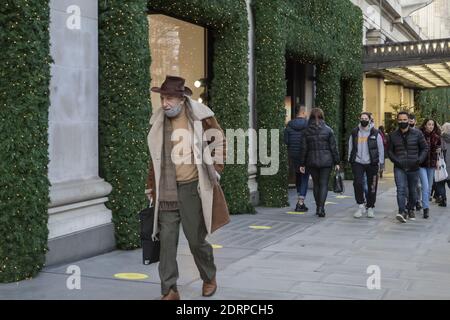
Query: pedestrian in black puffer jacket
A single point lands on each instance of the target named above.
(293, 139)
(319, 154)
(407, 151)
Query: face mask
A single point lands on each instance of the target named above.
(403, 125)
(412, 125)
(364, 123)
(174, 111)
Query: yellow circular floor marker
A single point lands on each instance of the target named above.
(217, 246)
(260, 227)
(329, 202)
(131, 276)
(343, 197)
(295, 212)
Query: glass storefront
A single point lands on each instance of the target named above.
(178, 48)
(301, 87)
(301, 91)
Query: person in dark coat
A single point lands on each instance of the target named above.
(412, 124)
(445, 149)
(293, 139)
(319, 154)
(382, 132)
(407, 150)
(432, 135)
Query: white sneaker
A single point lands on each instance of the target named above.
(361, 210)
(370, 213)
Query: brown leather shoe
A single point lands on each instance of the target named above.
(172, 295)
(209, 288)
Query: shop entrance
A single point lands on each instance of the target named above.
(179, 48)
(300, 91)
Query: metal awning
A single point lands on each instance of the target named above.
(419, 64)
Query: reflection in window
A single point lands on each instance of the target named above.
(177, 49)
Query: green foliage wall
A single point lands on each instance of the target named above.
(125, 106)
(434, 103)
(326, 33)
(124, 111)
(24, 104)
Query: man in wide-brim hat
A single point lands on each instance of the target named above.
(183, 188)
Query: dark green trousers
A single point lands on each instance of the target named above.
(191, 217)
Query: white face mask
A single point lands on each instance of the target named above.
(174, 111)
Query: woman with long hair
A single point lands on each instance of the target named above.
(319, 154)
(445, 148)
(432, 133)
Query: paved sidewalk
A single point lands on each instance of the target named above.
(294, 257)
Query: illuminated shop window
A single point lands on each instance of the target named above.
(178, 48)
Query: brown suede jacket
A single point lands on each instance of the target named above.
(208, 123)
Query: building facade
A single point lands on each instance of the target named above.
(391, 22)
(252, 62)
(434, 19)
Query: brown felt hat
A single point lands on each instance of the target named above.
(173, 86)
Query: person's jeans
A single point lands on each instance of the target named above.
(426, 180)
(406, 182)
(418, 193)
(359, 183)
(320, 178)
(440, 188)
(301, 182)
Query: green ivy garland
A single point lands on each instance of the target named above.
(24, 99)
(124, 111)
(434, 103)
(326, 33)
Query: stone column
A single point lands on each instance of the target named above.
(79, 223)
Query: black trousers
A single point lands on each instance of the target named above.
(371, 172)
(440, 188)
(320, 178)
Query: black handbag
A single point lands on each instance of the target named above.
(150, 248)
(338, 186)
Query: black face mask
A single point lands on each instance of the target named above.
(403, 125)
(364, 123)
(412, 125)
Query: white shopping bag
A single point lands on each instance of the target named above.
(440, 173)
